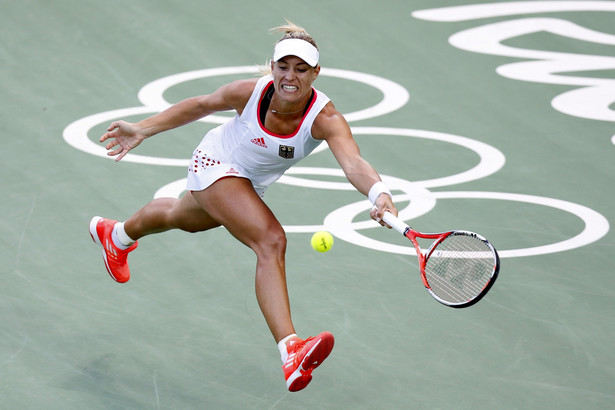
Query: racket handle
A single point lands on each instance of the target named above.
(395, 223)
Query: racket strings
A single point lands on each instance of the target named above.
(459, 267)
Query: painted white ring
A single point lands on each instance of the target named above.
(152, 96)
(339, 223)
(491, 159)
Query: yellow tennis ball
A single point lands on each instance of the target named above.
(322, 241)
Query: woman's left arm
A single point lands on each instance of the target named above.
(331, 126)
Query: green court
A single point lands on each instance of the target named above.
(493, 117)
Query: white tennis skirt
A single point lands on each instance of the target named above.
(209, 163)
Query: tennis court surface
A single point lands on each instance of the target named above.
(491, 117)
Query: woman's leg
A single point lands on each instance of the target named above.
(163, 214)
(233, 203)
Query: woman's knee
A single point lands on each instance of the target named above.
(271, 242)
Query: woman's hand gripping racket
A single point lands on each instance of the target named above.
(459, 267)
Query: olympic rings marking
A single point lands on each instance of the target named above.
(341, 221)
(151, 95)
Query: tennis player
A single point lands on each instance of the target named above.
(280, 118)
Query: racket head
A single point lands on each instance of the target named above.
(459, 268)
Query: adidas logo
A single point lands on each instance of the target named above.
(290, 361)
(232, 171)
(110, 249)
(259, 141)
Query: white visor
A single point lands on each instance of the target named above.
(296, 47)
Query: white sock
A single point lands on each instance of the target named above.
(282, 347)
(120, 237)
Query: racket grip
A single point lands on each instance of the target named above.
(395, 223)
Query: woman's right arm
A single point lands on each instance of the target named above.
(126, 136)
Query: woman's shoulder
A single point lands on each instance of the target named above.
(238, 93)
(329, 121)
(329, 113)
(241, 88)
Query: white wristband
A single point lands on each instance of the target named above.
(377, 189)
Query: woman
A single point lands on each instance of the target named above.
(280, 120)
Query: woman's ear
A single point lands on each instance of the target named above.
(316, 72)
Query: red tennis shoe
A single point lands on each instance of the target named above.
(303, 357)
(115, 258)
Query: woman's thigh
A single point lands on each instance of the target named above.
(190, 216)
(234, 203)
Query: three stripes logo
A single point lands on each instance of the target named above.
(110, 249)
(291, 360)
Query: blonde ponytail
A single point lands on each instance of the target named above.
(291, 30)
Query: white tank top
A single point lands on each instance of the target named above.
(265, 156)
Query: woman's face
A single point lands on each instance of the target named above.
(293, 78)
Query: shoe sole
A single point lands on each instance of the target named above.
(96, 239)
(301, 377)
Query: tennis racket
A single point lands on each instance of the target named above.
(459, 267)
